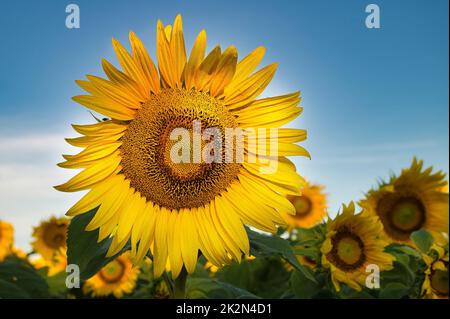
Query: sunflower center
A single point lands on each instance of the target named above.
(401, 214)
(55, 236)
(408, 215)
(303, 206)
(439, 282)
(113, 272)
(348, 250)
(164, 149)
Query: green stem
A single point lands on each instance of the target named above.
(169, 283)
(179, 291)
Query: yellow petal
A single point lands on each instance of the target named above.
(205, 71)
(175, 228)
(130, 68)
(123, 81)
(178, 50)
(112, 201)
(249, 89)
(147, 232)
(210, 244)
(104, 106)
(100, 129)
(92, 153)
(86, 141)
(225, 234)
(128, 214)
(116, 91)
(160, 248)
(224, 71)
(92, 175)
(143, 60)
(246, 66)
(93, 198)
(195, 59)
(189, 240)
(230, 220)
(267, 195)
(164, 55)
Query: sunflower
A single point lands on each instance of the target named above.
(177, 208)
(6, 239)
(55, 265)
(116, 278)
(310, 207)
(412, 201)
(352, 243)
(19, 252)
(50, 237)
(435, 285)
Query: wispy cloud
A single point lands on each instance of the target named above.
(28, 173)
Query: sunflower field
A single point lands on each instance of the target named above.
(153, 227)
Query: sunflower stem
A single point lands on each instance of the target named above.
(179, 291)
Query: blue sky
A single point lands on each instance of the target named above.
(372, 98)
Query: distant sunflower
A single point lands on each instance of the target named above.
(353, 242)
(310, 207)
(412, 201)
(116, 278)
(177, 209)
(50, 237)
(436, 284)
(307, 261)
(55, 265)
(18, 252)
(6, 239)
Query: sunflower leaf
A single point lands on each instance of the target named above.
(18, 279)
(208, 288)
(423, 240)
(84, 250)
(263, 245)
(302, 286)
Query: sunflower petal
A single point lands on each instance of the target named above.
(195, 58)
(224, 71)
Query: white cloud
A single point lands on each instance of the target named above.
(28, 173)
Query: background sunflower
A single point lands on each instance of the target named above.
(117, 278)
(409, 202)
(6, 239)
(310, 207)
(352, 243)
(50, 238)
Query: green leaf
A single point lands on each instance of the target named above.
(18, 279)
(423, 240)
(208, 288)
(83, 248)
(12, 291)
(394, 290)
(302, 286)
(263, 245)
(266, 277)
(56, 283)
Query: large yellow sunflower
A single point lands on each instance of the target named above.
(6, 239)
(116, 278)
(352, 243)
(435, 285)
(409, 202)
(50, 237)
(310, 207)
(178, 208)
